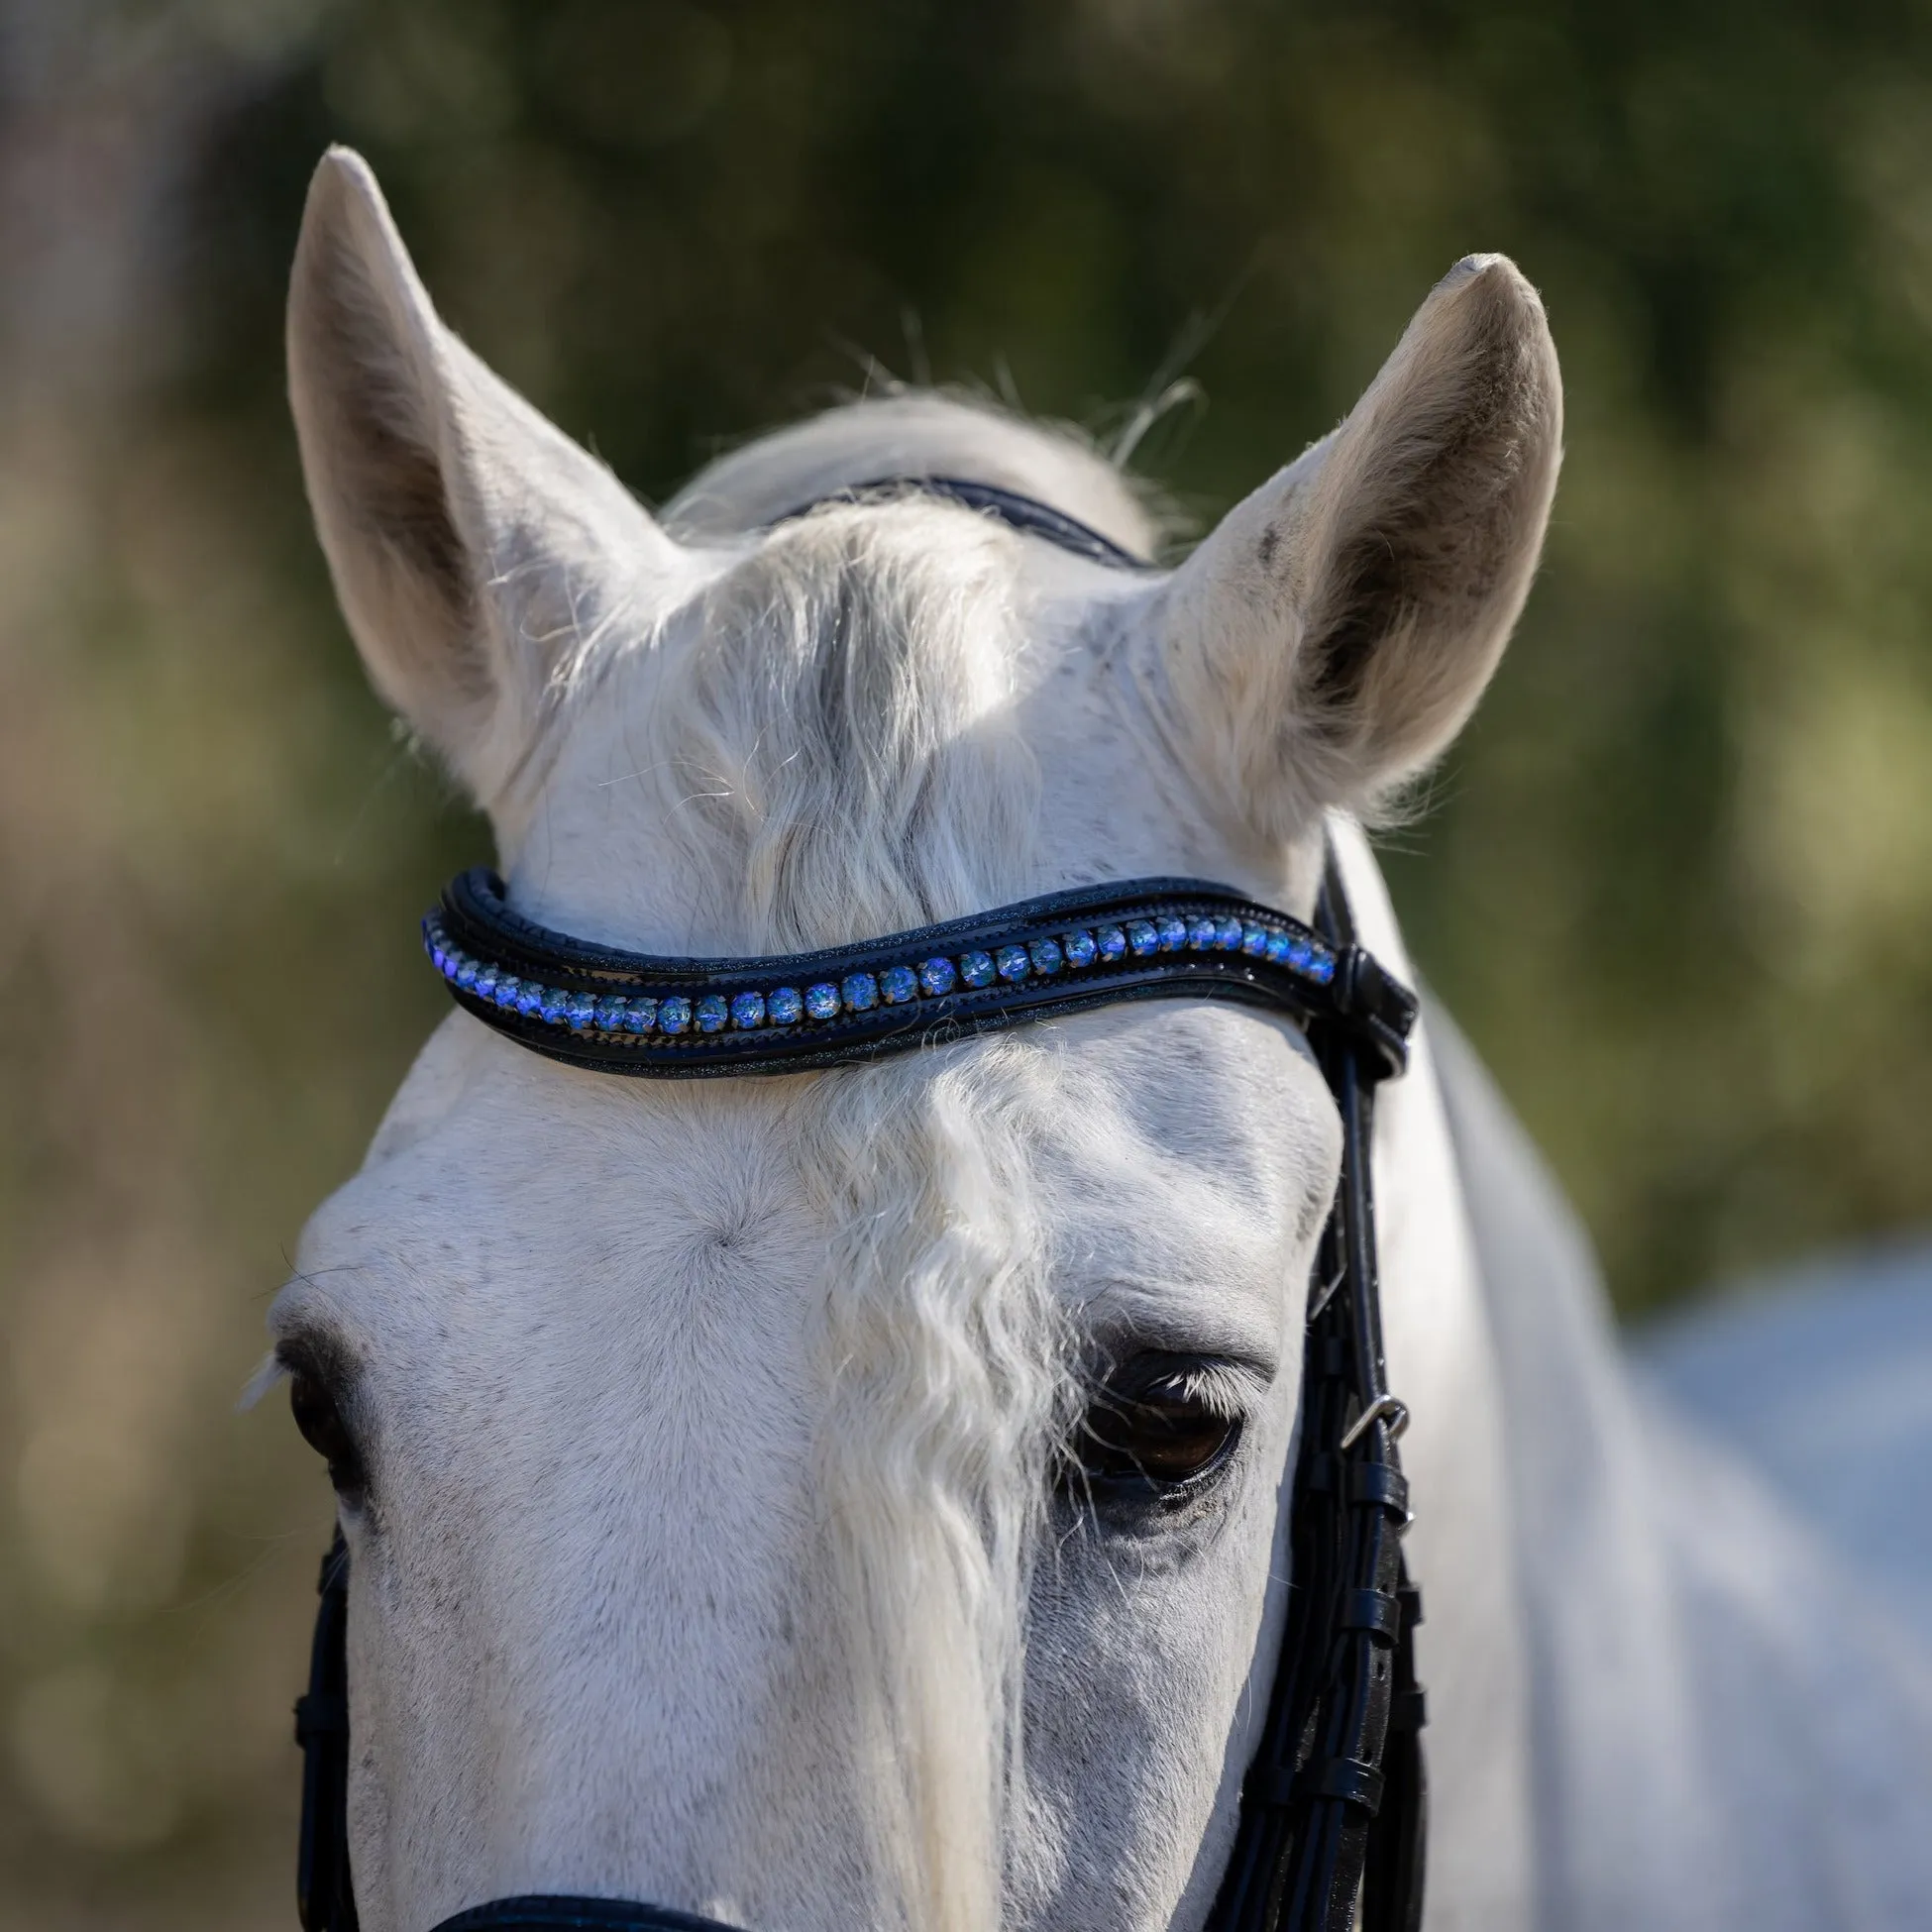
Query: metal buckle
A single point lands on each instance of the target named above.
(1383, 1408)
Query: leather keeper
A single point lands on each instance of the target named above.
(1374, 1611)
(1346, 1778)
(1377, 1483)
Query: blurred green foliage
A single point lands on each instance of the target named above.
(1676, 881)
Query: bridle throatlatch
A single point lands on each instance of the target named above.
(1333, 1809)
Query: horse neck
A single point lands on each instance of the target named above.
(1724, 1733)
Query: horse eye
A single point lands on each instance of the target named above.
(1161, 1431)
(325, 1431)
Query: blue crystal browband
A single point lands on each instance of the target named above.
(1148, 938)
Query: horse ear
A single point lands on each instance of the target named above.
(475, 549)
(1335, 632)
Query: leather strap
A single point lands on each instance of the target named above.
(1331, 1814)
(325, 1902)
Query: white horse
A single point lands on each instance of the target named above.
(699, 1443)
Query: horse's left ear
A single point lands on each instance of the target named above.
(1334, 633)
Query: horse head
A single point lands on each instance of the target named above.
(853, 1498)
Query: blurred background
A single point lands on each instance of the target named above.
(1676, 881)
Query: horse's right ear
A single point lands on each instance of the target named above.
(475, 549)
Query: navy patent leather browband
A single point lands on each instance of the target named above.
(619, 1011)
(1332, 1822)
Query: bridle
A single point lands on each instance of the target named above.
(1332, 1808)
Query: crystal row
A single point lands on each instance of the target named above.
(631, 1015)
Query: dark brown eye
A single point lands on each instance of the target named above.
(323, 1429)
(1166, 1427)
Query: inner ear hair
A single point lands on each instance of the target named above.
(370, 379)
(1333, 634)
(1438, 506)
(396, 485)
(1436, 524)
(474, 546)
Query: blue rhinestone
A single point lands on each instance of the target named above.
(509, 990)
(747, 1011)
(1112, 941)
(466, 970)
(1142, 939)
(1200, 935)
(1079, 948)
(1013, 962)
(938, 977)
(1320, 967)
(530, 998)
(821, 1000)
(786, 1006)
(861, 992)
(610, 1012)
(485, 985)
(554, 1005)
(1300, 953)
(439, 958)
(674, 1014)
(1255, 940)
(640, 1016)
(976, 968)
(581, 1012)
(899, 983)
(1228, 934)
(711, 1012)
(1173, 933)
(1046, 955)
(1277, 948)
